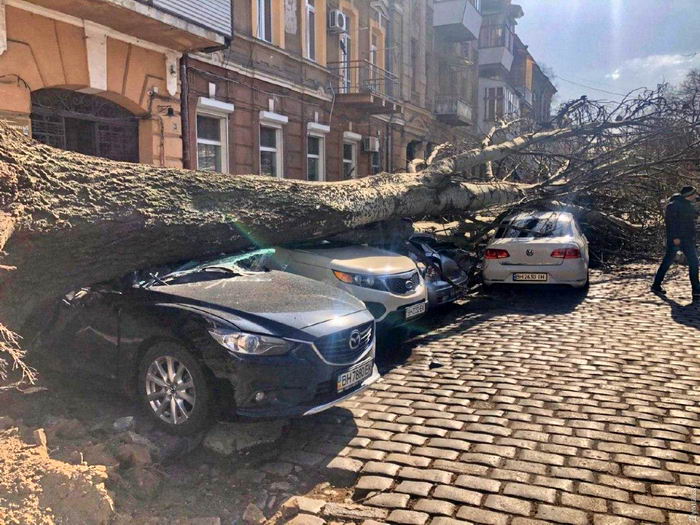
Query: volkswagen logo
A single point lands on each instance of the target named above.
(529, 253)
(409, 285)
(355, 340)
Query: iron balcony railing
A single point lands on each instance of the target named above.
(363, 77)
(453, 105)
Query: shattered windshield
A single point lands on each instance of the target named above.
(546, 226)
(217, 268)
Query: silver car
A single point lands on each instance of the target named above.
(540, 248)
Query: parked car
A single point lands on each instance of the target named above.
(537, 247)
(222, 333)
(389, 284)
(445, 278)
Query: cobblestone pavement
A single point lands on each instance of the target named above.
(529, 407)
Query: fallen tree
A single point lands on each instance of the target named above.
(69, 220)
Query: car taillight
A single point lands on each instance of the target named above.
(493, 253)
(566, 253)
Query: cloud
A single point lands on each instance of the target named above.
(655, 69)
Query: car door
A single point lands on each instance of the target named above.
(92, 334)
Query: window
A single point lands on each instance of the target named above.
(499, 102)
(349, 160)
(264, 29)
(376, 160)
(211, 143)
(493, 103)
(414, 61)
(271, 151)
(345, 59)
(552, 225)
(496, 35)
(315, 158)
(311, 29)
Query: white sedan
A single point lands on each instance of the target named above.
(539, 248)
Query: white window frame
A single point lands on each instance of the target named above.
(321, 157)
(275, 121)
(262, 15)
(354, 140)
(319, 131)
(310, 8)
(208, 107)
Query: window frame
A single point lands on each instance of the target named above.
(321, 157)
(262, 22)
(310, 30)
(353, 162)
(278, 149)
(220, 111)
(345, 41)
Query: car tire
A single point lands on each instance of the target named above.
(165, 372)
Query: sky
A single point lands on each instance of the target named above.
(606, 48)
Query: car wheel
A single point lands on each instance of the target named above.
(174, 390)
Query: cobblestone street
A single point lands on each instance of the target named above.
(529, 407)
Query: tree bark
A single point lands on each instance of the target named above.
(70, 220)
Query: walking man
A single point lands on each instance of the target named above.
(680, 235)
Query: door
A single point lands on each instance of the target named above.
(91, 334)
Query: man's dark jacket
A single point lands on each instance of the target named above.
(680, 219)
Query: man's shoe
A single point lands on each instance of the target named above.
(655, 288)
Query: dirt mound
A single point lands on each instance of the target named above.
(37, 489)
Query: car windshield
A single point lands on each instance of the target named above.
(542, 226)
(216, 268)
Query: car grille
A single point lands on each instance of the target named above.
(335, 348)
(403, 284)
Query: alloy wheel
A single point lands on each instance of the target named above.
(170, 390)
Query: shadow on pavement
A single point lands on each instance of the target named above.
(685, 314)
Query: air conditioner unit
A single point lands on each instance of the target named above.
(337, 21)
(370, 144)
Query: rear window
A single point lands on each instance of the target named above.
(550, 226)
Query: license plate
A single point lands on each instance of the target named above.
(529, 276)
(355, 375)
(415, 310)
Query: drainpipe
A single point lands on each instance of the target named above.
(185, 112)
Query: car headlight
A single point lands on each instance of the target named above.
(250, 344)
(366, 281)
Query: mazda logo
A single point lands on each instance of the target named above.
(529, 253)
(410, 285)
(355, 340)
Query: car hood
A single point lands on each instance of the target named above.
(274, 302)
(356, 259)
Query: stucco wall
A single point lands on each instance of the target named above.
(47, 53)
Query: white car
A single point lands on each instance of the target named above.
(389, 284)
(537, 247)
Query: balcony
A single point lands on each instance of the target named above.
(496, 56)
(457, 20)
(182, 25)
(451, 109)
(365, 86)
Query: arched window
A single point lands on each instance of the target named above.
(84, 123)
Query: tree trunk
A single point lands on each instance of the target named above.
(72, 220)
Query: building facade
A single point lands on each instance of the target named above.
(306, 89)
(333, 89)
(511, 83)
(102, 77)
